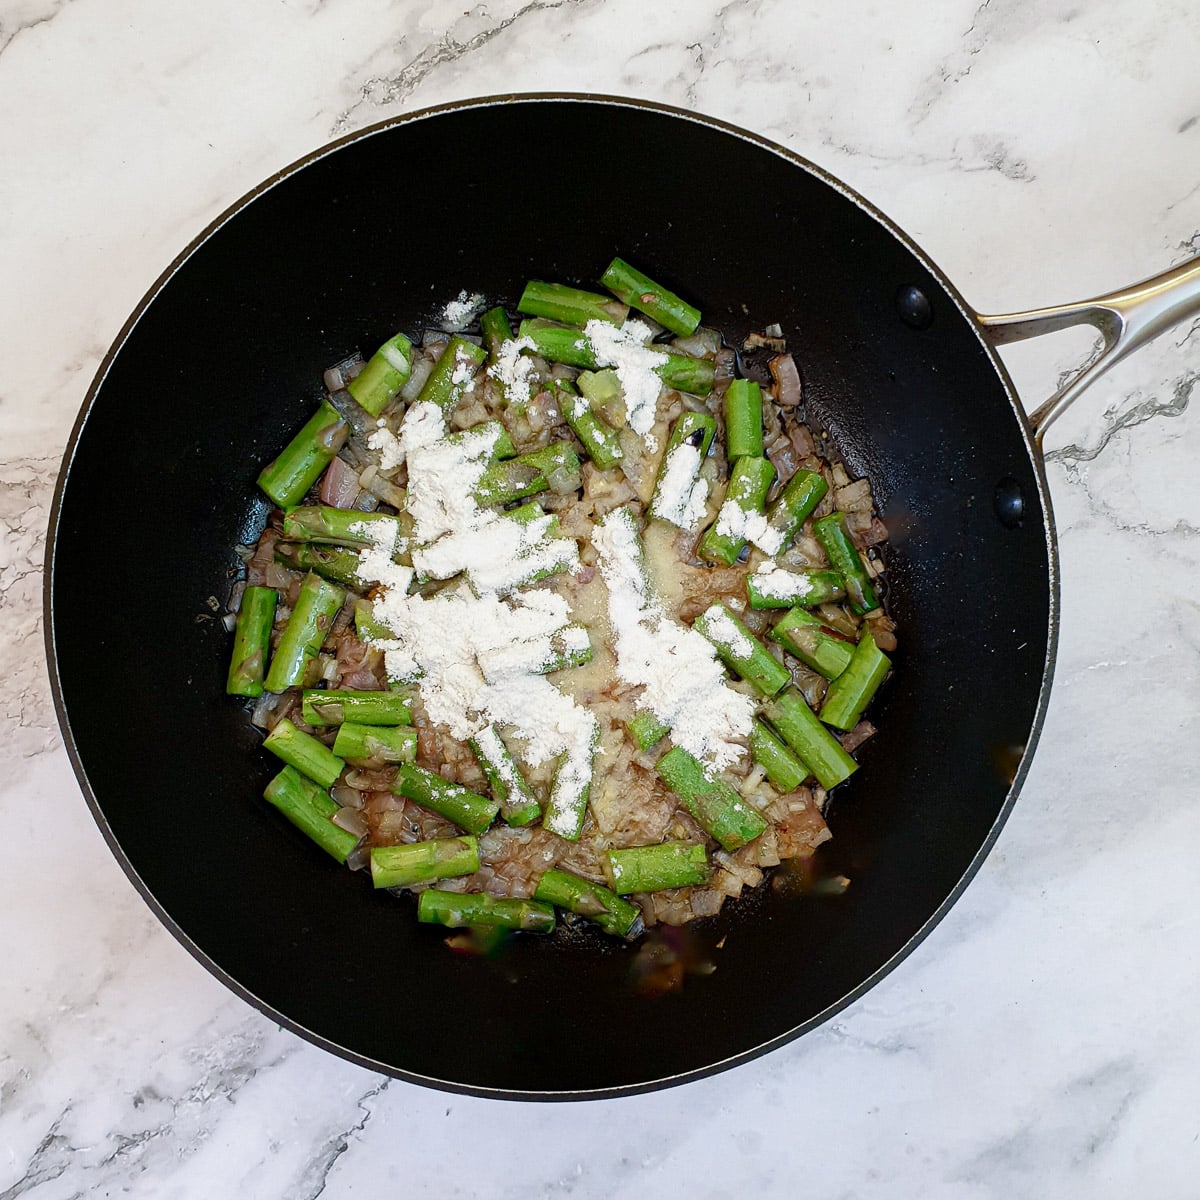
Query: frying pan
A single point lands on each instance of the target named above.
(222, 361)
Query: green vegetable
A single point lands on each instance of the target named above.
(518, 804)
(305, 632)
(782, 767)
(599, 438)
(716, 807)
(304, 458)
(792, 507)
(302, 751)
(567, 806)
(592, 900)
(375, 743)
(653, 868)
(334, 563)
(641, 292)
(843, 554)
(386, 372)
(811, 641)
(743, 420)
(309, 808)
(335, 526)
(647, 730)
(251, 642)
(555, 466)
(450, 800)
(749, 482)
(806, 588)
(478, 910)
(451, 374)
(741, 651)
(693, 429)
(818, 749)
(334, 706)
(852, 690)
(422, 862)
(571, 306)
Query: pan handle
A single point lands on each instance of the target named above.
(1126, 319)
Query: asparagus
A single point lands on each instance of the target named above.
(852, 690)
(843, 554)
(641, 292)
(592, 900)
(782, 767)
(496, 330)
(304, 458)
(375, 743)
(603, 391)
(479, 910)
(743, 419)
(749, 482)
(555, 466)
(304, 634)
(812, 642)
(423, 862)
(335, 706)
(561, 343)
(741, 651)
(309, 808)
(452, 373)
(567, 806)
(647, 730)
(716, 807)
(386, 372)
(334, 526)
(302, 751)
(653, 868)
(367, 627)
(518, 804)
(450, 800)
(791, 508)
(817, 748)
(784, 589)
(532, 511)
(691, 437)
(334, 563)
(599, 438)
(251, 642)
(502, 447)
(571, 306)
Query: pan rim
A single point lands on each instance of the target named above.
(1037, 464)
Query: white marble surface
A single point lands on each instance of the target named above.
(1044, 1041)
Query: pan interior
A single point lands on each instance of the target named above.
(226, 362)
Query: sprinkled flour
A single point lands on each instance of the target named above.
(682, 492)
(717, 621)
(459, 313)
(625, 350)
(733, 521)
(512, 369)
(685, 685)
(773, 581)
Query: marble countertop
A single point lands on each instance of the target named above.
(1044, 1040)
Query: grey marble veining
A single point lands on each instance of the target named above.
(1043, 1041)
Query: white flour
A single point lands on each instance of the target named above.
(625, 350)
(459, 313)
(773, 581)
(682, 493)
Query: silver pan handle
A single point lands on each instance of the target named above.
(1126, 319)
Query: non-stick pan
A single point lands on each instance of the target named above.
(223, 359)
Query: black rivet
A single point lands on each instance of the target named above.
(914, 307)
(1009, 502)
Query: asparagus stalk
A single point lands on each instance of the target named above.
(689, 441)
(386, 372)
(304, 458)
(716, 807)
(367, 627)
(304, 634)
(518, 804)
(555, 466)
(251, 642)
(571, 306)
(561, 343)
(641, 292)
(749, 482)
(423, 862)
(843, 554)
(496, 330)
(360, 744)
(450, 800)
(334, 563)
(479, 910)
(852, 690)
(784, 589)
(309, 808)
(599, 438)
(302, 751)
(782, 767)
(743, 419)
(653, 868)
(592, 900)
(647, 730)
(568, 560)
(567, 806)
(790, 509)
(452, 373)
(741, 651)
(603, 391)
(334, 526)
(502, 447)
(336, 706)
(817, 748)
(810, 640)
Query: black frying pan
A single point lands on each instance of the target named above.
(223, 360)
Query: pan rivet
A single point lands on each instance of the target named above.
(1009, 502)
(914, 307)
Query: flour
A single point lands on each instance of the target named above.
(375, 562)
(772, 581)
(735, 522)
(684, 684)
(718, 624)
(625, 350)
(682, 492)
(512, 369)
(459, 313)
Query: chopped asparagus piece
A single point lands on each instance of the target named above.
(749, 482)
(654, 868)
(843, 554)
(450, 800)
(479, 910)
(386, 372)
(592, 900)
(743, 420)
(641, 292)
(813, 643)
(518, 804)
(302, 460)
(571, 306)
(741, 651)
(852, 690)
(302, 751)
(716, 807)
(305, 632)
(452, 373)
(251, 642)
(785, 589)
(375, 743)
(423, 862)
(335, 706)
(817, 748)
(782, 767)
(309, 808)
